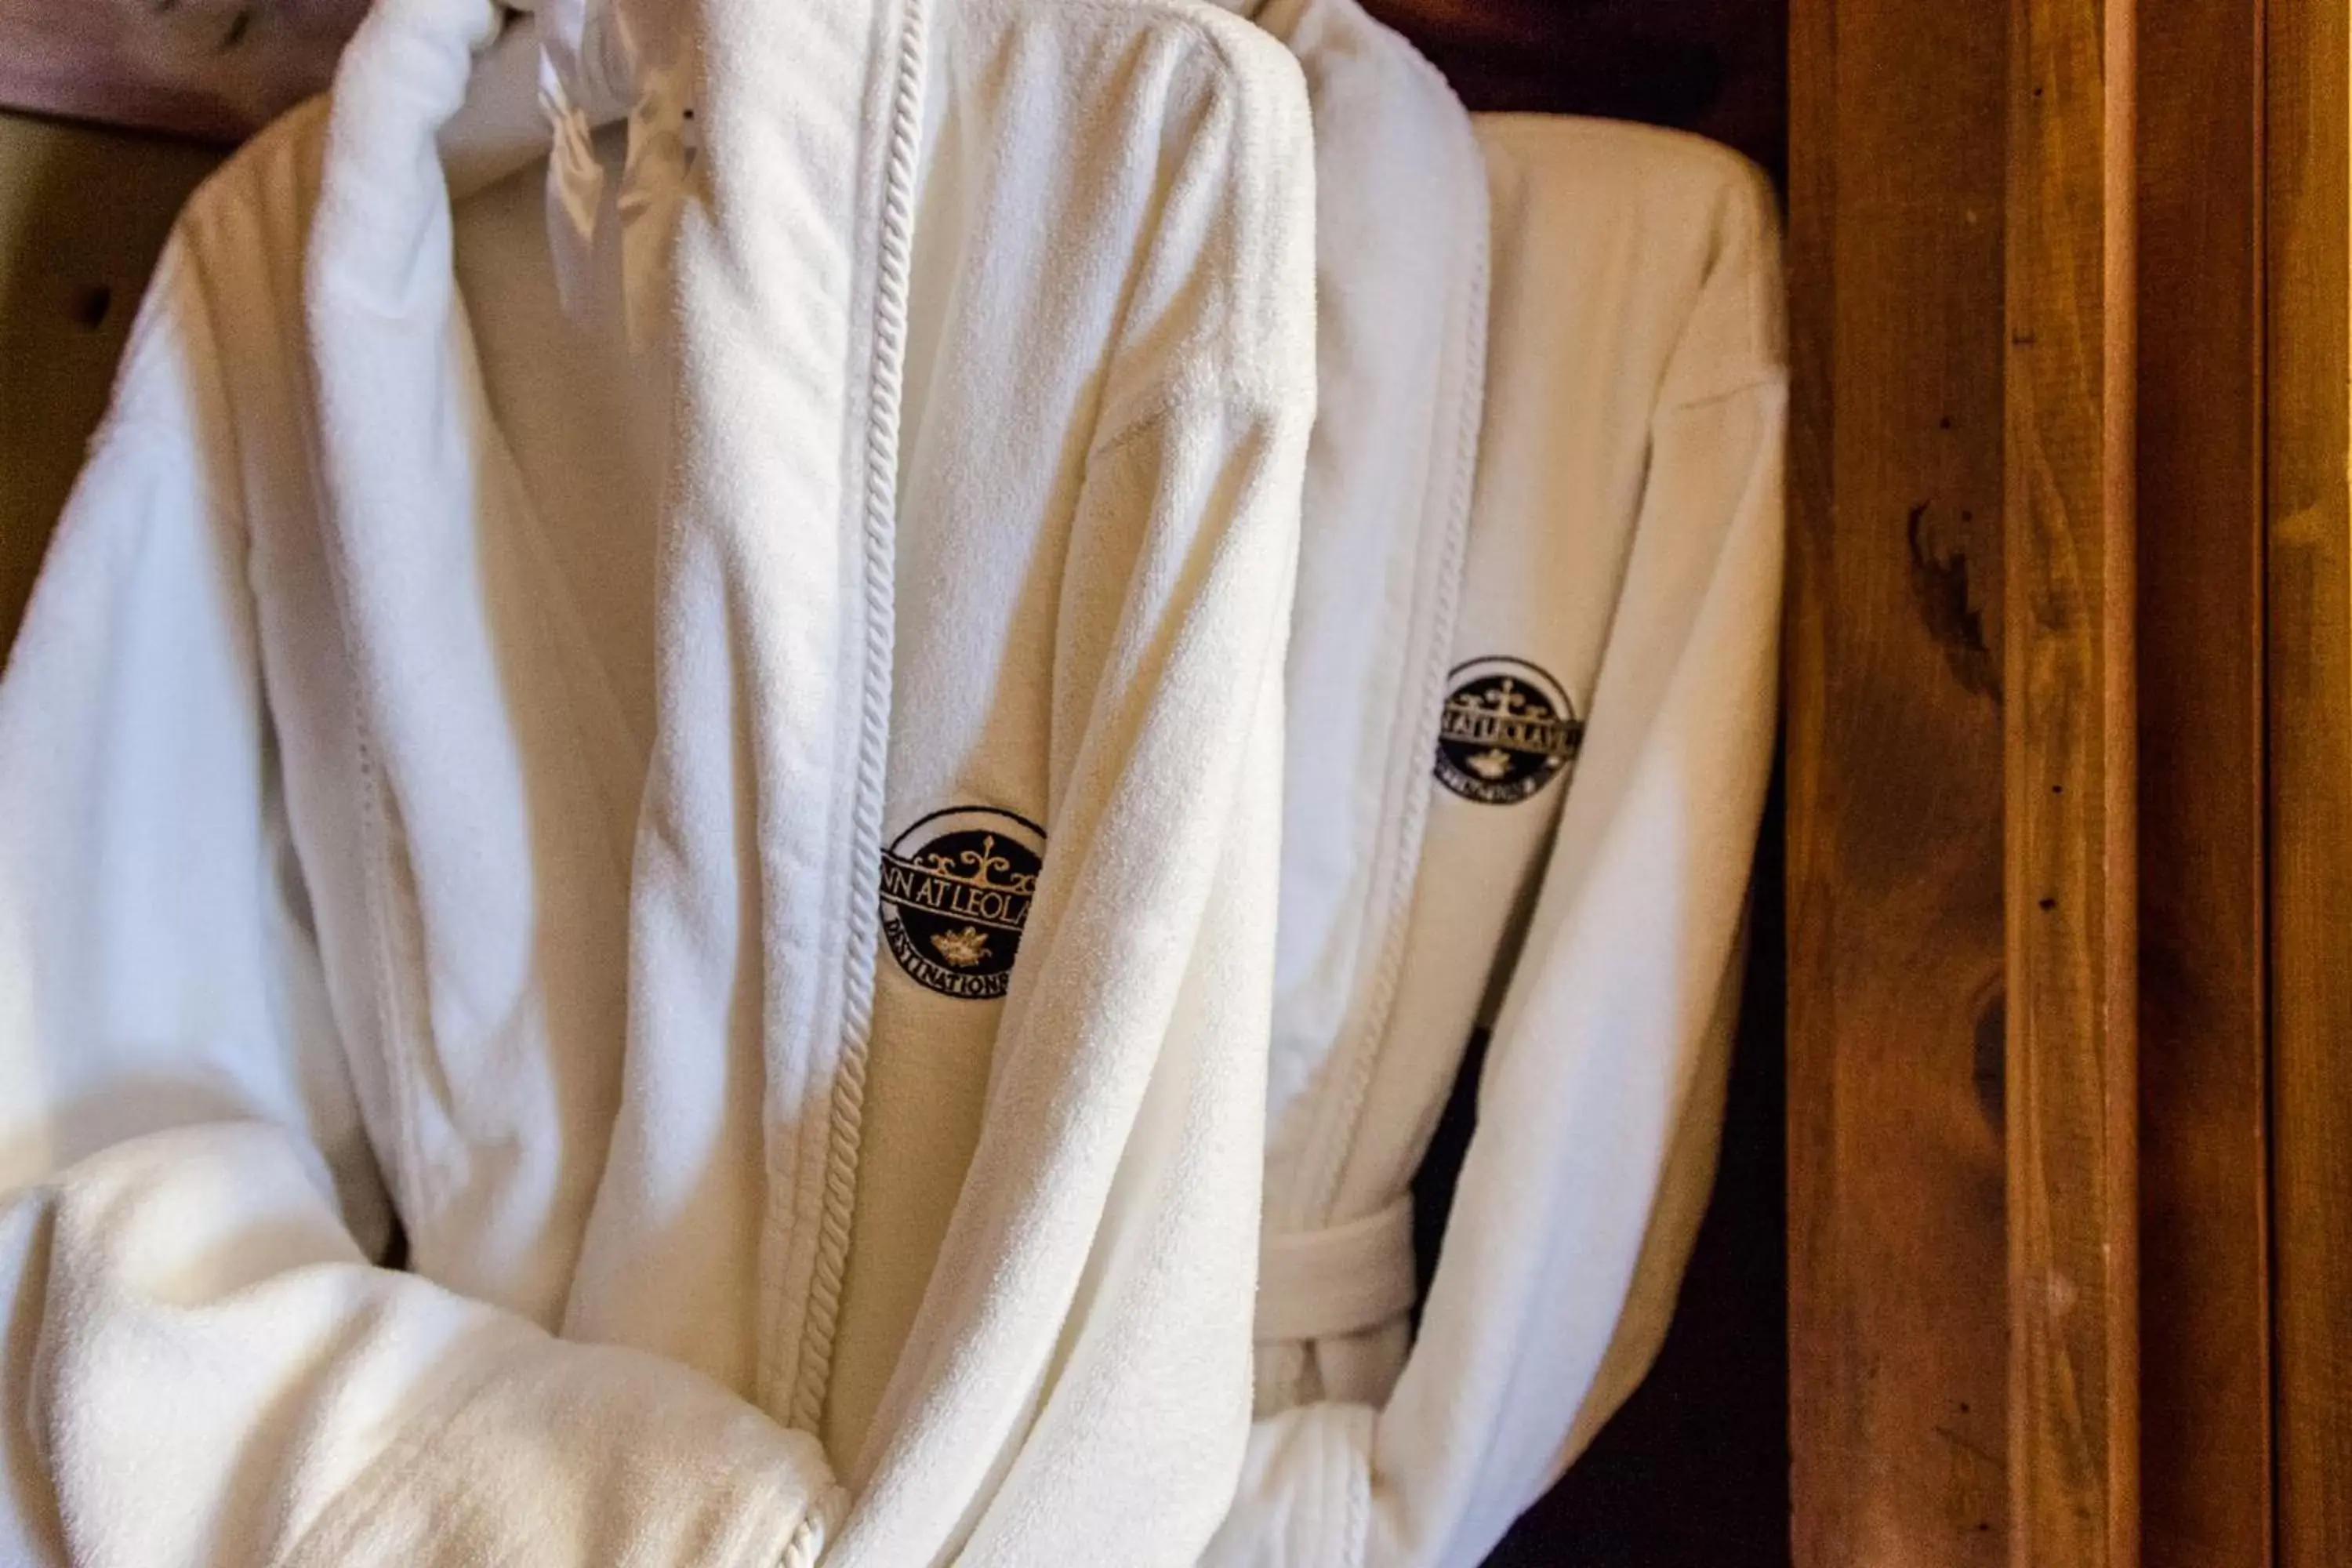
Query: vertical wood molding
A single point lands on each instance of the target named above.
(2071, 898)
(2204, 1198)
(1897, 1330)
(2309, 274)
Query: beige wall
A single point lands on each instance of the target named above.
(82, 214)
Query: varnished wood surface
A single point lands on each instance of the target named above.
(2310, 675)
(1898, 1368)
(2204, 1158)
(211, 69)
(2071, 896)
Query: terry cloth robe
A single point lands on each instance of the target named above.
(465, 788)
(1401, 339)
(1593, 773)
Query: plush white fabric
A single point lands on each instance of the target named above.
(1401, 337)
(1622, 586)
(1400, 327)
(446, 774)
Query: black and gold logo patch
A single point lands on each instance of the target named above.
(956, 887)
(1506, 731)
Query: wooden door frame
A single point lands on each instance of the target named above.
(2204, 1197)
(2309, 252)
(1962, 868)
(1895, 679)
(2070, 1167)
(2069, 775)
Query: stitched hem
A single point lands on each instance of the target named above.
(1333, 1138)
(1136, 418)
(846, 1108)
(348, 1517)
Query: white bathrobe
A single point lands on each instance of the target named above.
(1401, 297)
(1591, 775)
(567, 815)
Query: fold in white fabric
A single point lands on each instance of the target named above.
(1401, 346)
(451, 776)
(1342, 1280)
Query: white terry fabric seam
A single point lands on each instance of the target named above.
(1361, 1047)
(381, 1483)
(845, 1111)
(396, 962)
(384, 1090)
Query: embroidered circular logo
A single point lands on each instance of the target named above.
(955, 894)
(1506, 731)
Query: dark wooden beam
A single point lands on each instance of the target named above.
(2309, 277)
(1895, 671)
(2204, 1198)
(2071, 806)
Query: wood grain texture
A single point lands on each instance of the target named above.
(1897, 1328)
(211, 69)
(2309, 254)
(2070, 904)
(2203, 1157)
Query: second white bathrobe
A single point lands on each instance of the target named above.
(1591, 771)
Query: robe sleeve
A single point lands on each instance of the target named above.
(1597, 1110)
(202, 1362)
(1119, 1170)
(1104, 1245)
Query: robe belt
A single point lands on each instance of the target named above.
(1338, 1280)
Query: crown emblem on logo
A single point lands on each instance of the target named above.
(1505, 697)
(1488, 764)
(980, 867)
(961, 948)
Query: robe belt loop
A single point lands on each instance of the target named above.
(1338, 1280)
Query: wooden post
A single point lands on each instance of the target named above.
(2204, 1189)
(1963, 976)
(2071, 896)
(2309, 244)
(1897, 1263)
